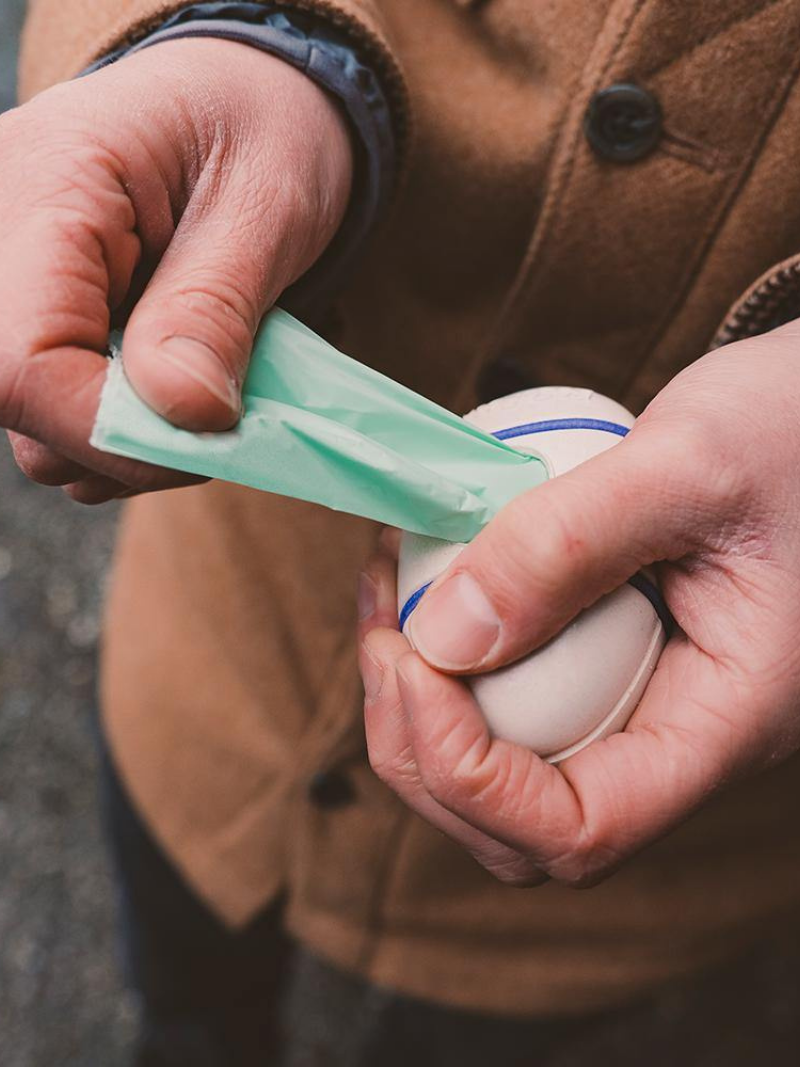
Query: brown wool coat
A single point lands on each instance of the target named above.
(513, 255)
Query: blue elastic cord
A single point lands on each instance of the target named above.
(560, 424)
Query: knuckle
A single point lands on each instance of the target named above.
(454, 767)
(13, 391)
(222, 301)
(691, 464)
(37, 468)
(26, 463)
(588, 863)
(558, 542)
(393, 765)
(384, 763)
(479, 779)
(398, 771)
(436, 779)
(439, 782)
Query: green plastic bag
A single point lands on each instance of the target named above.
(319, 426)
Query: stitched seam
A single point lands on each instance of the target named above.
(695, 152)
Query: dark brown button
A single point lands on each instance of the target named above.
(502, 377)
(623, 123)
(330, 789)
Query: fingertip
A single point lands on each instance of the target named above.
(385, 645)
(44, 465)
(94, 490)
(389, 540)
(377, 594)
(185, 381)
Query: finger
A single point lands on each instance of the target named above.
(393, 759)
(578, 822)
(377, 594)
(390, 541)
(388, 731)
(42, 464)
(61, 390)
(96, 489)
(558, 548)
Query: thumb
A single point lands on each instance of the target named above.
(555, 550)
(189, 338)
(273, 187)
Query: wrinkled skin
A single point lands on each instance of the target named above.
(188, 184)
(707, 485)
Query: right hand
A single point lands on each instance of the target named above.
(189, 184)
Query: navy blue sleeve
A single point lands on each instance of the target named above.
(324, 53)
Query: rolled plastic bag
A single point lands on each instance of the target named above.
(321, 427)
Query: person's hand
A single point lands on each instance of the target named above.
(707, 481)
(190, 182)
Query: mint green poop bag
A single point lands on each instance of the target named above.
(319, 426)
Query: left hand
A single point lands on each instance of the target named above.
(707, 486)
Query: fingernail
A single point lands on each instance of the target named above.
(371, 675)
(366, 597)
(201, 363)
(455, 626)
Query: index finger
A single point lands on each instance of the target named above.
(69, 248)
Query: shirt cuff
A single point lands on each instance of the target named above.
(328, 57)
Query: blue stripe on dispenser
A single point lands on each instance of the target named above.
(638, 581)
(546, 425)
(412, 602)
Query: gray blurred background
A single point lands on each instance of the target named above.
(61, 1001)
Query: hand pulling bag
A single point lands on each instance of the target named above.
(319, 426)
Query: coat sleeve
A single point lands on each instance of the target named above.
(63, 37)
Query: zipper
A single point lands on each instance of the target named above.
(771, 300)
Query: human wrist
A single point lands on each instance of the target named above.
(337, 60)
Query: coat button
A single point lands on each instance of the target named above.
(502, 377)
(623, 123)
(330, 789)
